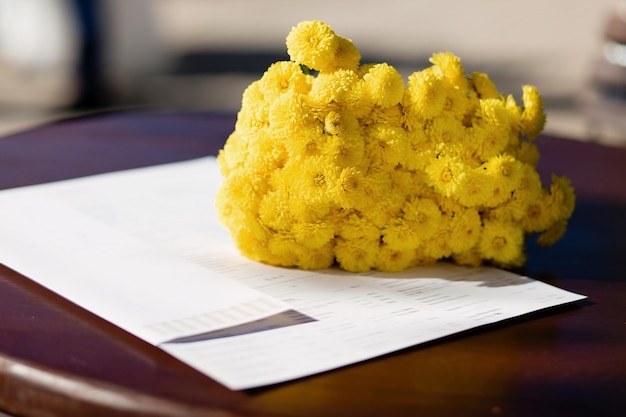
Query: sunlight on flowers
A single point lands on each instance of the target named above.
(337, 162)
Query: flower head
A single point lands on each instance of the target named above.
(484, 86)
(446, 174)
(386, 144)
(347, 55)
(533, 118)
(476, 188)
(465, 230)
(314, 44)
(351, 190)
(332, 88)
(426, 94)
(502, 243)
(283, 76)
(451, 68)
(384, 84)
(505, 172)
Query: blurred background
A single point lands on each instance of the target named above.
(60, 58)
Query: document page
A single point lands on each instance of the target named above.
(311, 321)
(358, 316)
(137, 286)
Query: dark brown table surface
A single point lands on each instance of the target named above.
(56, 359)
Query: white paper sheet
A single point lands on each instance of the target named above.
(142, 288)
(358, 316)
(344, 318)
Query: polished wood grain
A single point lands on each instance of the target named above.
(58, 360)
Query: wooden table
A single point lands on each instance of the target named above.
(58, 360)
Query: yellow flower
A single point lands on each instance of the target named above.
(313, 210)
(553, 233)
(484, 86)
(528, 153)
(323, 257)
(308, 141)
(313, 235)
(533, 118)
(384, 207)
(394, 260)
(505, 173)
(251, 239)
(311, 178)
(420, 151)
(527, 192)
(347, 55)
(455, 83)
(476, 188)
(270, 153)
(421, 259)
(399, 234)
(356, 255)
(233, 154)
(333, 162)
(449, 206)
(283, 76)
(386, 145)
(493, 126)
(337, 123)
(514, 111)
(350, 191)
(243, 187)
(228, 210)
(253, 95)
(471, 258)
(346, 149)
(438, 246)
(510, 211)
(404, 181)
(445, 132)
(254, 110)
(423, 214)
(493, 112)
(289, 117)
(314, 44)
(465, 230)
(538, 215)
(446, 174)
(274, 210)
(357, 227)
(332, 88)
(451, 68)
(384, 84)
(357, 244)
(391, 116)
(562, 198)
(426, 94)
(458, 103)
(357, 101)
(530, 187)
(498, 197)
(502, 242)
(284, 249)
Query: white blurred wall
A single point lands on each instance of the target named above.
(552, 40)
(549, 43)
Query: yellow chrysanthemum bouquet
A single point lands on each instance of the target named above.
(334, 162)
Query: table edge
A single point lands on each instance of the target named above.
(30, 389)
